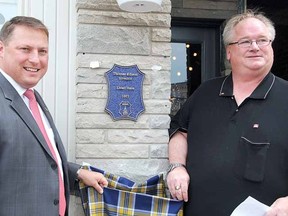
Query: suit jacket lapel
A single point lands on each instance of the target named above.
(17, 103)
(57, 138)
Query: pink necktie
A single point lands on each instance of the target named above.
(35, 110)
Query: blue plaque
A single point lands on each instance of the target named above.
(125, 98)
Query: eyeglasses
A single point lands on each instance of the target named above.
(247, 43)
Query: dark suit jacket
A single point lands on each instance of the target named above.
(28, 172)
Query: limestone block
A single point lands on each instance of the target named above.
(113, 39)
(158, 106)
(112, 151)
(159, 151)
(161, 34)
(92, 90)
(161, 49)
(107, 61)
(88, 75)
(159, 121)
(91, 120)
(98, 5)
(161, 85)
(90, 136)
(137, 136)
(105, 121)
(124, 18)
(146, 92)
(160, 91)
(90, 105)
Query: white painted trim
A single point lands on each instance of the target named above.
(8, 1)
(71, 139)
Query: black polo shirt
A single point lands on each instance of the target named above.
(235, 151)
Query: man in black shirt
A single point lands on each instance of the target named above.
(229, 140)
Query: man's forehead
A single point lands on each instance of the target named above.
(20, 31)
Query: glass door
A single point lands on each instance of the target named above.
(185, 72)
(195, 58)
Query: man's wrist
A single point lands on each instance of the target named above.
(172, 166)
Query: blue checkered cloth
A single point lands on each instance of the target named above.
(124, 197)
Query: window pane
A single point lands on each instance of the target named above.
(8, 9)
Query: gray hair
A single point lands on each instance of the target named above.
(232, 22)
(31, 22)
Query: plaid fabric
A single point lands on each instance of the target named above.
(124, 197)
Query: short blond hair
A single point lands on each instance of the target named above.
(233, 21)
(31, 22)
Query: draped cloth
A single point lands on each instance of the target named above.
(124, 197)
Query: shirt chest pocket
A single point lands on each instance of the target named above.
(251, 156)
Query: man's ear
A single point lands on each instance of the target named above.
(1, 49)
(228, 54)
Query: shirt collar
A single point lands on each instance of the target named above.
(260, 92)
(17, 87)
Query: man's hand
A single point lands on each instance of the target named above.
(279, 207)
(178, 181)
(94, 179)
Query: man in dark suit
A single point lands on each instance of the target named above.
(33, 163)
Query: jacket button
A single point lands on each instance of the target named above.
(56, 202)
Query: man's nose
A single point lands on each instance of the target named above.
(254, 45)
(34, 57)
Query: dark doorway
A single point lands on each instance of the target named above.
(277, 11)
(186, 73)
(194, 61)
(196, 56)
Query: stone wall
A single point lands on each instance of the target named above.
(110, 36)
(105, 34)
